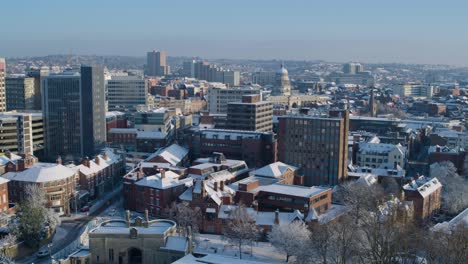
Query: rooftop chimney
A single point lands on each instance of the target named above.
(97, 160)
(59, 160)
(163, 173)
(140, 173)
(146, 215)
(221, 186)
(127, 217)
(277, 217)
(215, 186)
(86, 162)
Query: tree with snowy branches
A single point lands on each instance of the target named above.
(289, 238)
(241, 228)
(454, 196)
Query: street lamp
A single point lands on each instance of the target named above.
(50, 250)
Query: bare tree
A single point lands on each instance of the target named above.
(241, 228)
(360, 197)
(449, 246)
(384, 236)
(334, 242)
(185, 217)
(289, 238)
(454, 196)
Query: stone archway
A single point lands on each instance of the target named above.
(135, 256)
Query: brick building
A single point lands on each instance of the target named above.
(288, 198)
(116, 119)
(4, 203)
(99, 175)
(443, 153)
(317, 145)
(57, 181)
(154, 193)
(257, 149)
(425, 193)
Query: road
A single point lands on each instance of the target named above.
(73, 228)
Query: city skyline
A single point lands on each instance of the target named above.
(416, 32)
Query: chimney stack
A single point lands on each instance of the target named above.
(215, 186)
(140, 173)
(97, 160)
(221, 186)
(127, 217)
(59, 160)
(277, 217)
(163, 173)
(146, 215)
(86, 162)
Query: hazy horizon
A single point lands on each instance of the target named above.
(416, 32)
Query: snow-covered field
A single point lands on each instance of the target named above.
(215, 244)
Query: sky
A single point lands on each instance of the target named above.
(409, 31)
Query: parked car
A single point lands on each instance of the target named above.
(84, 209)
(43, 253)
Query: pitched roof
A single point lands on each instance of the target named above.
(41, 172)
(274, 170)
(173, 154)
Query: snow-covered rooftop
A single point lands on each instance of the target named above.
(170, 180)
(5, 159)
(274, 170)
(425, 186)
(294, 190)
(41, 172)
(173, 154)
(176, 243)
(120, 227)
(379, 148)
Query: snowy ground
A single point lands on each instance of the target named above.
(215, 244)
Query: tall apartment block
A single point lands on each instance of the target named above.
(20, 93)
(318, 145)
(21, 133)
(72, 103)
(251, 114)
(126, 92)
(156, 63)
(2, 85)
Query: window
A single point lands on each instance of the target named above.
(111, 254)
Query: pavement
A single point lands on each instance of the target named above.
(73, 226)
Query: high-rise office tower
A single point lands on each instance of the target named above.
(318, 145)
(156, 63)
(352, 68)
(20, 93)
(2, 85)
(126, 92)
(251, 114)
(38, 74)
(93, 109)
(282, 85)
(74, 113)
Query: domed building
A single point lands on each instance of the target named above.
(282, 85)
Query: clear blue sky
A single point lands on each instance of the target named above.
(410, 31)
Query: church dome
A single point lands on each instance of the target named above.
(282, 70)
